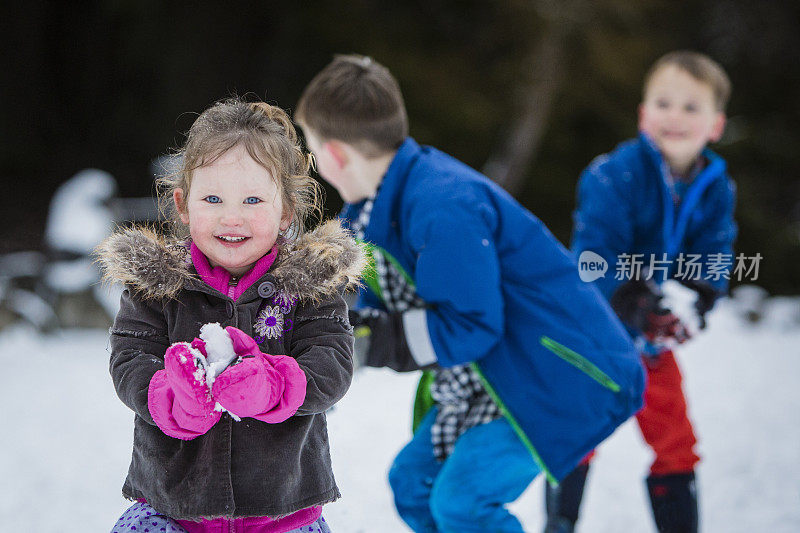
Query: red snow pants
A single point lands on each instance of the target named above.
(663, 420)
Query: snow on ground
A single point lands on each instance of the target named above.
(67, 439)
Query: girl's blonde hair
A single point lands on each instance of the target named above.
(267, 134)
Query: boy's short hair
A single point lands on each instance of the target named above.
(700, 67)
(356, 100)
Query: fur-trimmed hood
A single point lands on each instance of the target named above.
(155, 266)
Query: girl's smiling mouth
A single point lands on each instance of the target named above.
(231, 239)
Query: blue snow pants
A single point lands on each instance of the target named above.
(489, 467)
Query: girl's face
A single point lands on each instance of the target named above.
(234, 211)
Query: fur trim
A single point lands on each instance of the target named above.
(320, 262)
(150, 264)
(313, 267)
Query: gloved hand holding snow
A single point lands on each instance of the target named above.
(638, 303)
(178, 397)
(193, 367)
(223, 370)
(664, 328)
(187, 376)
(706, 297)
(267, 387)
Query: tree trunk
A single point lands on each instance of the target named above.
(509, 164)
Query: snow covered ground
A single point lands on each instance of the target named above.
(66, 438)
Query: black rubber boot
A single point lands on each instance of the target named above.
(674, 501)
(563, 502)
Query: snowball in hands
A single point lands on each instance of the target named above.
(219, 351)
(213, 352)
(240, 379)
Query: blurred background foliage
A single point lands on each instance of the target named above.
(528, 91)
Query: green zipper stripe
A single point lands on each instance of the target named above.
(580, 362)
(423, 401)
(515, 425)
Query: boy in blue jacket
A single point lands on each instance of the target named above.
(659, 206)
(527, 366)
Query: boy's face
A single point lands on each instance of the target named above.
(679, 114)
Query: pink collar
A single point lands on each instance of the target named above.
(219, 278)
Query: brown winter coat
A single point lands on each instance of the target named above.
(246, 468)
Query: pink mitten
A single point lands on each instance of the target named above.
(267, 387)
(178, 397)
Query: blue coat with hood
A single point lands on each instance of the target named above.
(625, 206)
(503, 294)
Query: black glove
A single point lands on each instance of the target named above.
(706, 297)
(638, 304)
(663, 326)
(381, 340)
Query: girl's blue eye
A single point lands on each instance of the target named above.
(252, 200)
(212, 199)
(691, 108)
(662, 104)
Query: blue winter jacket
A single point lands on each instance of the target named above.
(500, 291)
(625, 206)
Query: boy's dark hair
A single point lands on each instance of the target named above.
(700, 67)
(356, 100)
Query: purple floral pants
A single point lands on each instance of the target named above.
(141, 518)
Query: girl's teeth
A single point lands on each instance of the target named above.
(231, 239)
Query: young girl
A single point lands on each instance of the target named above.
(245, 449)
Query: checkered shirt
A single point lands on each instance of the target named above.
(360, 224)
(461, 399)
(463, 403)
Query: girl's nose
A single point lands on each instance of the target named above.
(232, 216)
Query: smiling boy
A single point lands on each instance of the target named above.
(681, 114)
(662, 197)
